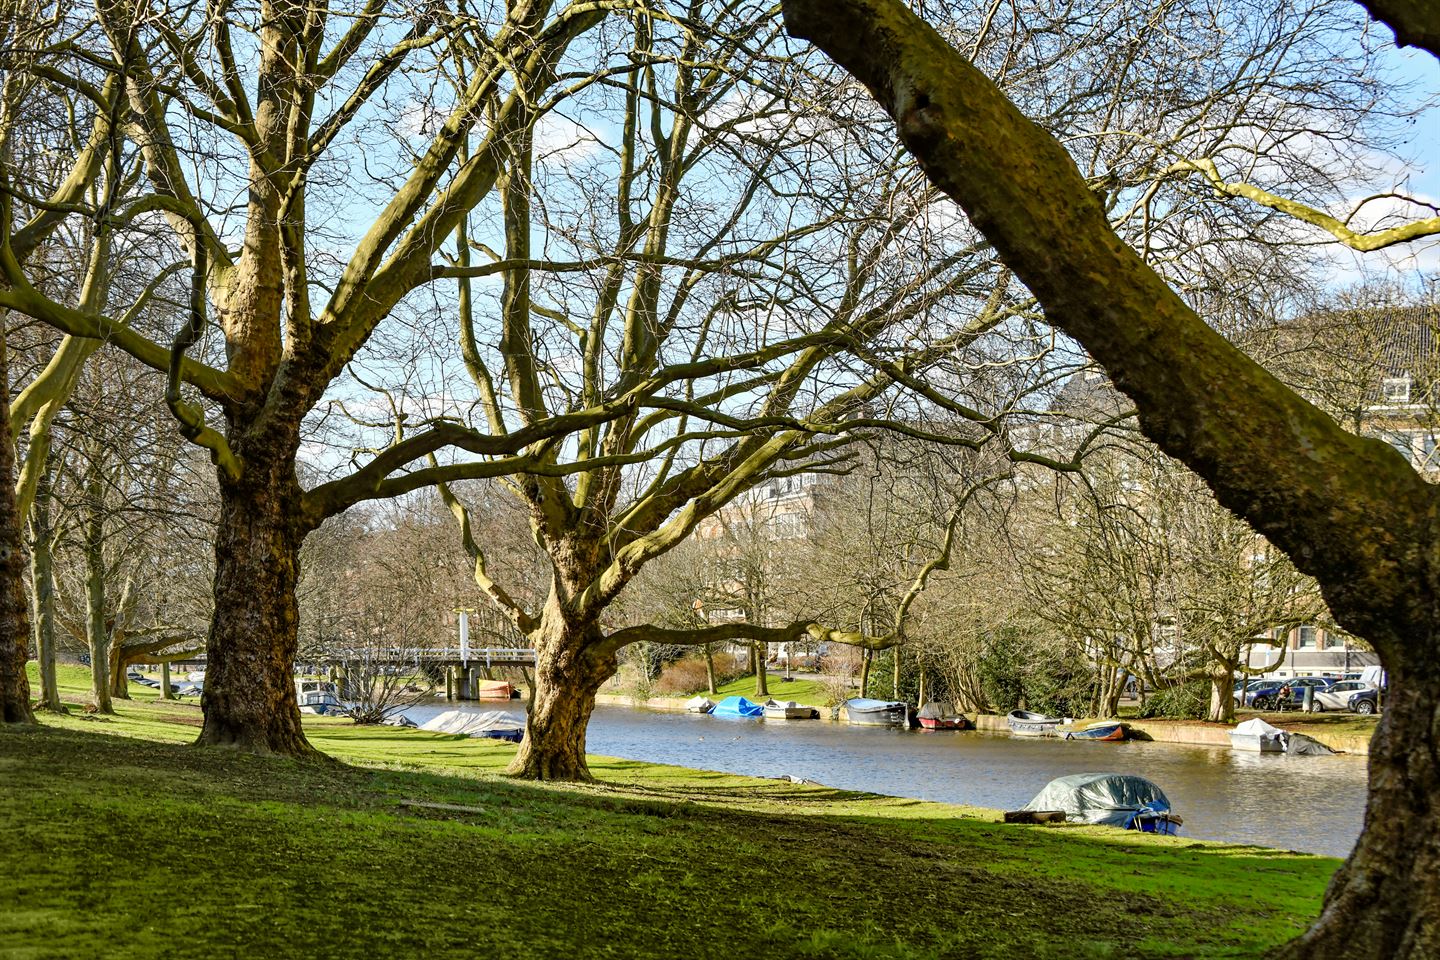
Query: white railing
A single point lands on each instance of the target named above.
(476, 655)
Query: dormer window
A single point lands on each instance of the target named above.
(1396, 389)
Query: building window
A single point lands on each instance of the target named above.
(1306, 638)
(1397, 389)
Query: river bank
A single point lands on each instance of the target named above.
(276, 857)
(1343, 733)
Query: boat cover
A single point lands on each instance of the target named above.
(737, 707)
(472, 723)
(936, 709)
(699, 704)
(1111, 799)
(1255, 727)
(1301, 745)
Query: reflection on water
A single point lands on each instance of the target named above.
(1313, 804)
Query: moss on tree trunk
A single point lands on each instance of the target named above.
(249, 695)
(570, 666)
(14, 613)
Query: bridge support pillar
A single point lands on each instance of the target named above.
(464, 685)
(449, 683)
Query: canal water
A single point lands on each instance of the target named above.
(1310, 804)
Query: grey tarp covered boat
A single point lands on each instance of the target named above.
(1110, 799)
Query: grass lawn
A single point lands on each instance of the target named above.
(807, 691)
(121, 841)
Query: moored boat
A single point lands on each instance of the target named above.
(1023, 723)
(1109, 730)
(1109, 799)
(865, 712)
(699, 705)
(1257, 736)
(489, 724)
(318, 696)
(496, 690)
(942, 715)
(789, 710)
(737, 707)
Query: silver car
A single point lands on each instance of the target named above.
(1338, 695)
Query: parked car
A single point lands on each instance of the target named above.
(1245, 686)
(1337, 696)
(1364, 701)
(1267, 695)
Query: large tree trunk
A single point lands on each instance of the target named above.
(1222, 692)
(758, 653)
(569, 670)
(249, 693)
(14, 614)
(1385, 901)
(42, 591)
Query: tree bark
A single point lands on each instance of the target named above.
(14, 614)
(570, 666)
(1222, 693)
(710, 669)
(167, 692)
(119, 671)
(1348, 510)
(95, 629)
(249, 693)
(42, 591)
(1385, 900)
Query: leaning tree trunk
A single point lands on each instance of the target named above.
(14, 613)
(570, 666)
(249, 692)
(1385, 900)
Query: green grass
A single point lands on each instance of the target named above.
(811, 692)
(121, 841)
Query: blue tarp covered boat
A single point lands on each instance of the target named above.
(1110, 799)
(737, 707)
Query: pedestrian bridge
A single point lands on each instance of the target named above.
(483, 657)
(459, 668)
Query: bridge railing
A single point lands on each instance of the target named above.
(476, 655)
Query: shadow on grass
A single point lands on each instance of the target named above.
(282, 855)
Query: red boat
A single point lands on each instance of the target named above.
(939, 715)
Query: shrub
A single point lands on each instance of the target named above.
(687, 675)
(1182, 701)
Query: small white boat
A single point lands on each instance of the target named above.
(1257, 736)
(790, 710)
(699, 705)
(318, 696)
(1023, 723)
